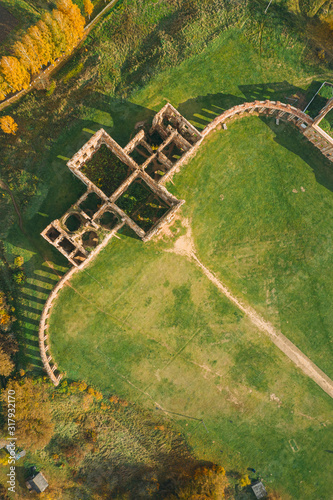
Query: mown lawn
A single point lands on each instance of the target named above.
(148, 325)
(260, 199)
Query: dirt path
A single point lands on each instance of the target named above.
(185, 246)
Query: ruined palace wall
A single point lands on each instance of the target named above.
(270, 108)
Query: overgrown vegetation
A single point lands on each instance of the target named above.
(142, 205)
(106, 170)
(104, 446)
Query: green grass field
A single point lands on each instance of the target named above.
(149, 325)
(269, 238)
(162, 335)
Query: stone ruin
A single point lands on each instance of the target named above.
(150, 158)
(145, 163)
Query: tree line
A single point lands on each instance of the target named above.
(56, 33)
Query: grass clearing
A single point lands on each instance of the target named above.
(163, 336)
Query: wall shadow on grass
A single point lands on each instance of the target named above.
(203, 109)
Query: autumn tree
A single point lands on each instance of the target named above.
(66, 28)
(207, 483)
(58, 38)
(8, 125)
(34, 427)
(73, 13)
(14, 73)
(4, 88)
(5, 313)
(6, 364)
(48, 36)
(27, 53)
(88, 7)
(42, 44)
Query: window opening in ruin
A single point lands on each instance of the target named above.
(91, 204)
(109, 220)
(143, 205)
(155, 139)
(156, 169)
(66, 245)
(79, 257)
(73, 222)
(106, 170)
(172, 152)
(53, 233)
(90, 239)
(140, 154)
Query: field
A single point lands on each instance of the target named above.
(147, 324)
(162, 334)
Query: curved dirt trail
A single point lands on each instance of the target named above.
(185, 246)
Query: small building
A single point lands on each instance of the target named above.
(259, 490)
(37, 483)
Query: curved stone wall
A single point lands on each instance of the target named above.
(268, 108)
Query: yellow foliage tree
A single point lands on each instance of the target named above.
(6, 364)
(34, 427)
(88, 7)
(42, 44)
(74, 15)
(14, 73)
(4, 89)
(66, 28)
(9, 126)
(245, 481)
(58, 38)
(28, 55)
